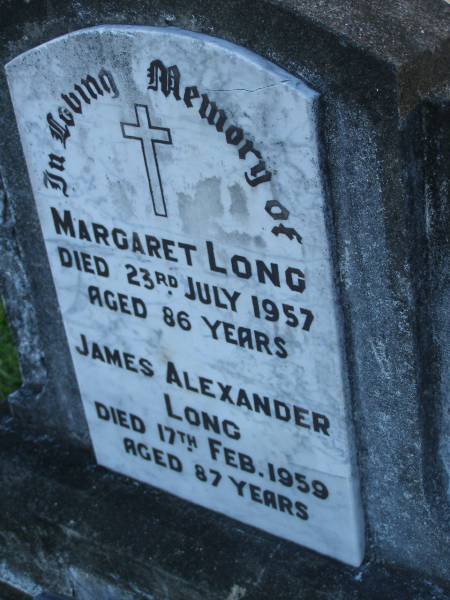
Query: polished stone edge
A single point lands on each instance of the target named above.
(74, 527)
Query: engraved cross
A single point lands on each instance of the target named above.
(149, 136)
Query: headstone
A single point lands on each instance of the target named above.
(178, 185)
(224, 259)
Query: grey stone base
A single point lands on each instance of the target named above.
(72, 528)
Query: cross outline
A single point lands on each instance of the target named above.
(160, 211)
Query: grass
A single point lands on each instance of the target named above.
(9, 363)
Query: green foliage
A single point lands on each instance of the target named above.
(9, 364)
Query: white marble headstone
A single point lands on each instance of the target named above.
(177, 182)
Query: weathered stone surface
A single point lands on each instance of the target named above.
(90, 534)
(389, 212)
